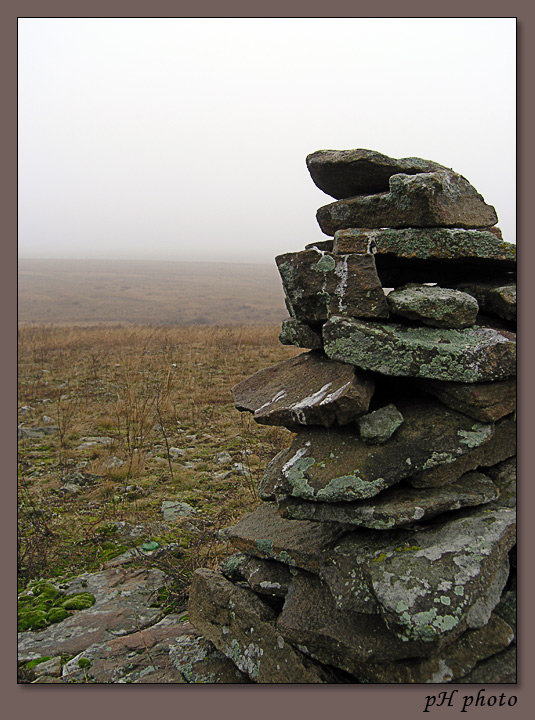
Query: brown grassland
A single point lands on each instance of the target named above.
(161, 396)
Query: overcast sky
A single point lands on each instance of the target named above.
(186, 139)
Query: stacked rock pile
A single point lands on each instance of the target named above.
(381, 551)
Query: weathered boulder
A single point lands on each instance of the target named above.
(434, 306)
(337, 466)
(482, 401)
(433, 199)
(378, 426)
(295, 332)
(243, 628)
(318, 285)
(494, 297)
(309, 389)
(430, 582)
(345, 173)
(476, 354)
(398, 506)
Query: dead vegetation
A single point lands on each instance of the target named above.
(135, 416)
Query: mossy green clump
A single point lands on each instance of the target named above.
(32, 620)
(37, 661)
(78, 601)
(43, 604)
(57, 614)
(84, 663)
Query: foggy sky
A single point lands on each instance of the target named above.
(186, 139)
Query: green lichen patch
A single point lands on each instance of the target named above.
(475, 354)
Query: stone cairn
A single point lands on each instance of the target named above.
(383, 549)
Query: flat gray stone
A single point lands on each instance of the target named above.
(311, 621)
(500, 668)
(499, 446)
(378, 426)
(486, 402)
(494, 297)
(319, 284)
(434, 306)
(295, 332)
(398, 506)
(299, 543)
(337, 466)
(199, 661)
(345, 173)
(436, 243)
(477, 354)
(433, 199)
(309, 389)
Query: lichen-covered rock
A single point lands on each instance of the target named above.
(243, 628)
(309, 389)
(475, 354)
(486, 402)
(337, 466)
(264, 534)
(494, 297)
(429, 583)
(475, 248)
(433, 199)
(398, 506)
(434, 306)
(474, 649)
(344, 639)
(345, 173)
(378, 426)
(319, 284)
(199, 661)
(484, 452)
(295, 332)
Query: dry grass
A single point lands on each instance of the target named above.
(162, 398)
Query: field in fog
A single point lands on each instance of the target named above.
(88, 292)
